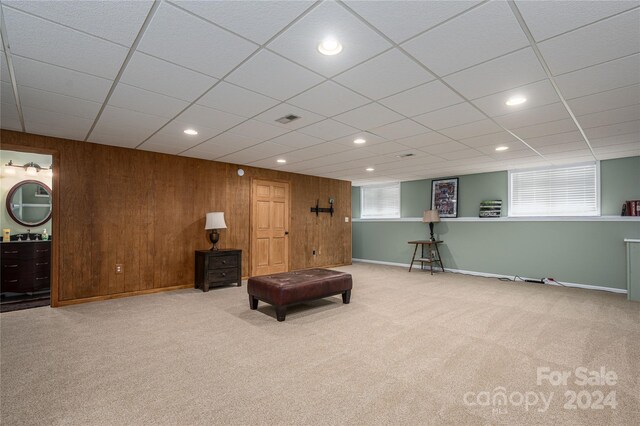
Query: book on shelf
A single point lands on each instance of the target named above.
(490, 208)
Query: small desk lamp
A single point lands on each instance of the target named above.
(215, 221)
(431, 216)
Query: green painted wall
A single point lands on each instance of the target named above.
(587, 252)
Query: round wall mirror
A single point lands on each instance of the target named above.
(29, 203)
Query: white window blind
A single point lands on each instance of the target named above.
(380, 201)
(560, 191)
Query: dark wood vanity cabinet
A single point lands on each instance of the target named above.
(26, 266)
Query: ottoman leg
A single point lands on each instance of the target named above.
(281, 312)
(253, 302)
(346, 297)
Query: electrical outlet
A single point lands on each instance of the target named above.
(119, 268)
(346, 219)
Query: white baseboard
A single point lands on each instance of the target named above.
(491, 275)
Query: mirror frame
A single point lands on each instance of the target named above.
(13, 190)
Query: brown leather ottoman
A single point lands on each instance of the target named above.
(288, 288)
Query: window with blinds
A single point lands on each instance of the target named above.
(380, 201)
(559, 191)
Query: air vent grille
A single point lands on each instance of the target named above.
(287, 119)
(408, 154)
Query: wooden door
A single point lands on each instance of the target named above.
(269, 227)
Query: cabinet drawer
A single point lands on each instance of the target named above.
(223, 275)
(26, 250)
(223, 262)
(24, 283)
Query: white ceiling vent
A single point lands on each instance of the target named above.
(409, 154)
(287, 119)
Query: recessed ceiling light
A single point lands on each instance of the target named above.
(359, 141)
(191, 132)
(516, 100)
(502, 148)
(370, 169)
(281, 160)
(329, 47)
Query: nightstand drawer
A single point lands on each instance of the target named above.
(223, 274)
(223, 262)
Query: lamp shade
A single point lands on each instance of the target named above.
(431, 216)
(215, 220)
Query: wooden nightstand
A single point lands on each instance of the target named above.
(218, 267)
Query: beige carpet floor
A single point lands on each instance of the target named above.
(409, 349)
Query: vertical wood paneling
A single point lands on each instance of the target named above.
(146, 211)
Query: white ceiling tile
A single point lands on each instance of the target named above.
(201, 155)
(570, 157)
(441, 148)
(60, 80)
(368, 116)
(549, 18)
(401, 20)
(329, 99)
(476, 128)
(118, 21)
(385, 148)
(490, 140)
(607, 76)
(460, 155)
(123, 127)
(614, 129)
(256, 20)
(400, 129)
(163, 149)
(603, 41)
(173, 135)
(545, 129)
(509, 71)
(628, 147)
(370, 138)
(168, 79)
(129, 97)
(451, 116)
(300, 42)
(258, 130)
(385, 75)
(481, 34)
(51, 123)
(258, 152)
(513, 145)
(119, 137)
(183, 39)
(199, 115)
(555, 139)
(603, 101)
(620, 154)
(563, 147)
(236, 100)
(306, 117)
(67, 105)
(62, 46)
(297, 140)
(325, 149)
(424, 140)
(328, 130)
(9, 117)
(615, 140)
(233, 142)
(613, 116)
(516, 154)
(425, 98)
(4, 70)
(6, 93)
(272, 162)
(529, 117)
(537, 94)
(274, 76)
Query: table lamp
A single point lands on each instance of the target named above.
(431, 216)
(215, 221)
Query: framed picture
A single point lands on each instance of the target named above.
(444, 197)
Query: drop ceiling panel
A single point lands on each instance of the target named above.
(603, 41)
(424, 140)
(401, 20)
(564, 147)
(326, 149)
(329, 99)
(181, 38)
(462, 154)
(513, 145)
(549, 18)
(476, 128)
(129, 97)
(163, 149)
(9, 117)
(67, 105)
(368, 116)
(4, 70)
(120, 137)
(328, 130)
(422, 99)
(484, 33)
(509, 71)
(230, 141)
(274, 76)
(516, 154)
(297, 140)
(300, 42)
(614, 129)
(442, 148)
(537, 94)
(6, 94)
(127, 128)
(603, 101)
(451, 116)
(386, 148)
(599, 78)
(400, 129)
(306, 117)
(236, 100)
(60, 80)
(545, 129)
(604, 118)
(384, 75)
(51, 123)
(370, 138)
(256, 20)
(173, 135)
(616, 140)
(168, 79)
(555, 139)
(492, 140)
(628, 148)
(258, 130)
(202, 116)
(118, 21)
(529, 117)
(62, 46)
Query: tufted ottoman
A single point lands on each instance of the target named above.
(288, 288)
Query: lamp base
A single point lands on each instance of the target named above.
(431, 230)
(214, 237)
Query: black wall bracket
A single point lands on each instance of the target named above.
(317, 209)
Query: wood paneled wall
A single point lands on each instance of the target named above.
(146, 211)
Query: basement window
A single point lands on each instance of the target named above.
(380, 201)
(558, 191)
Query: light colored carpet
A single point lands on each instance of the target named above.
(406, 350)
